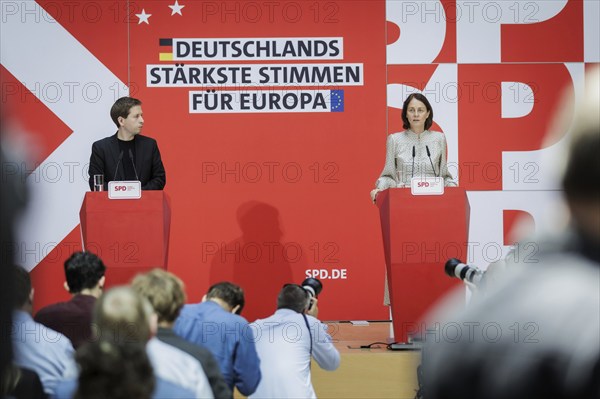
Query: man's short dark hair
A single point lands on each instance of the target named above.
(121, 108)
(83, 270)
(114, 370)
(231, 294)
(293, 297)
(21, 286)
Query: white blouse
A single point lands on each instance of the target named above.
(399, 167)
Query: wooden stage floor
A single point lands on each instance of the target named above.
(367, 373)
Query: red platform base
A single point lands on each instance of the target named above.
(420, 233)
(131, 236)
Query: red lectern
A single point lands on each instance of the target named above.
(420, 233)
(130, 235)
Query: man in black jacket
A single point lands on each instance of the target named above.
(127, 155)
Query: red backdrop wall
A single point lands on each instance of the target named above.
(263, 198)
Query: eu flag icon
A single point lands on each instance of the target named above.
(336, 98)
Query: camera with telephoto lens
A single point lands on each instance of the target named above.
(314, 287)
(455, 268)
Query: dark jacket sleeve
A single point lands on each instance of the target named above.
(158, 177)
(96, 164)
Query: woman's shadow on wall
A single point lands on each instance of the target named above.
(258, 261)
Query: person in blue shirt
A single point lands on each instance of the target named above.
(215, 323)
(35, 346)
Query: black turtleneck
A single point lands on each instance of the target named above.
(126, 170)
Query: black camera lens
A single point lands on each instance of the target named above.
(313, 286)
(455, 268)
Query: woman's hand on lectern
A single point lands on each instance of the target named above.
(374, 194)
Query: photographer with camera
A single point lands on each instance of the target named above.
(287, 340)
(216, 324)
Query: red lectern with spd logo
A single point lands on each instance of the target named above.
(420, 233)
(129, 235)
